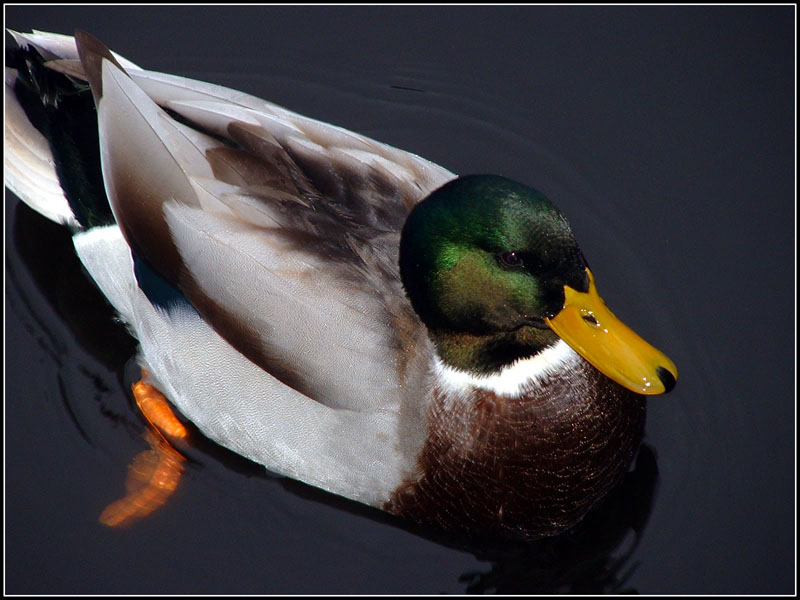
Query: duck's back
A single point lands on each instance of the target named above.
(282, 231)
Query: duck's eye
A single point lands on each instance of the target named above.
(511, 260)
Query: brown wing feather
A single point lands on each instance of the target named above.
(302, 186)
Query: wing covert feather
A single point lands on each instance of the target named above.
(281, 230)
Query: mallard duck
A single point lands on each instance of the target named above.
(345, 313)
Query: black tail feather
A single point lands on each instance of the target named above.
(63, 110)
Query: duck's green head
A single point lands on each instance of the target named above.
(494, 272)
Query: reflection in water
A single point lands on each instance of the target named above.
(57, 273)
(58, 277)
(152, 478)
(590, 558)
(154, 475)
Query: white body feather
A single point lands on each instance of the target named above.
(239, 405)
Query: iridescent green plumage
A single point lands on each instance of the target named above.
(484, 260)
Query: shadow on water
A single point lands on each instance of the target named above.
(593, 557)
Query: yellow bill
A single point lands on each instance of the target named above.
(593, 331)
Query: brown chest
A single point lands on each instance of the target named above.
(529, 466)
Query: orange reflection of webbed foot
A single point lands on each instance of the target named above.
(154, 474)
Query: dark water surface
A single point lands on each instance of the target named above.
(667, 137)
